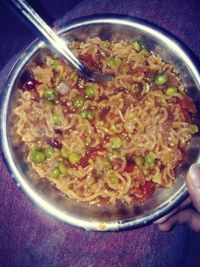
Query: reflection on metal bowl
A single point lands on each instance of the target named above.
(118, 217)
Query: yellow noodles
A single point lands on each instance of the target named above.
(111, 141)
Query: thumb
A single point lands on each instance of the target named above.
(193, 184)
(186, 216)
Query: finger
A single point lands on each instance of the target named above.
(184, 204)
(193, 184)
(187, 216)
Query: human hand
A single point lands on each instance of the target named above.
(189, 211)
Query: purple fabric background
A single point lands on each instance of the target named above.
(28, 236)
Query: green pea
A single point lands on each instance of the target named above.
(48, 152)
(139, 160)
(90, 115)
(146, 52)
(89, 91)
(106, 44)
(56, 118)
(87, 114)
(147, 87)
(78, 102)
(149, 159)
(194, 128)
(55, 173)
(56, 150)
(110, 61)
(116, 142)
(62, 168)
(161, 78)
(114, 154)
(171, 91)
(137, 46)
(75, 78)
(113, 62)
(37, 156)
(74, 158)
(114, 179)
(107, 165)
(117, 62)
(50, 94)
(48, 105)
(64, 152)
(55, 63)
(84, 114)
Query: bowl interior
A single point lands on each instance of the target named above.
(81, 214)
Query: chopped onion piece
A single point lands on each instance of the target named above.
(146, 87)
(62, 88)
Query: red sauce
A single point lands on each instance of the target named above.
(188, 104)
(143, 192)
(136, 193)
(128, 167)
(104, 112)
(139, 70)
(129, 100)
(175, 100)
(90, 63)
(148, 188)
(83, 161)
(90, 154)
(117, 163)
(164, 127)
(185, 114)
(103, 97)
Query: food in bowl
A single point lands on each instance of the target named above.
(111, 141)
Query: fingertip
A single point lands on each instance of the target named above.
(164, 227)
(193, 184)
(193, 176)
(159, 221)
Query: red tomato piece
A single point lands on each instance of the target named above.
(129, 168)
(83, 162)
(148, 188)
(188, 104)
(186, 114)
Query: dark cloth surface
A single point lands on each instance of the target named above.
(30, 237)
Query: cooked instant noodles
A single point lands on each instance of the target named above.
(105, 142)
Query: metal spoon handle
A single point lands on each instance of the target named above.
(49, 35)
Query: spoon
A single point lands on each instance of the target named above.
(56, 42)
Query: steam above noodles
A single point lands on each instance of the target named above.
(110, 141)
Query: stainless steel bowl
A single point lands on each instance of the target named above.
(45, 195)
